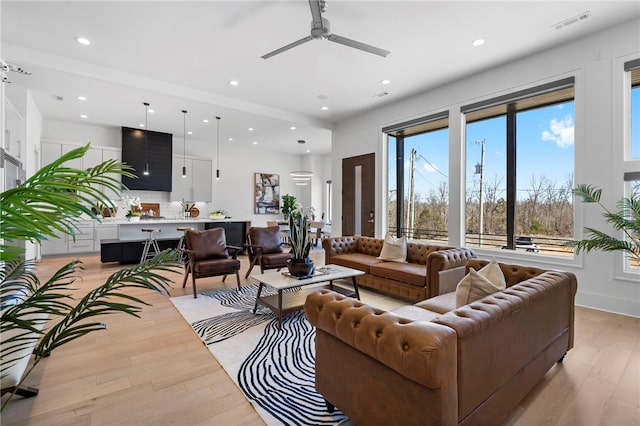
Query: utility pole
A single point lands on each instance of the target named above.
(480, 171)
(411, 208)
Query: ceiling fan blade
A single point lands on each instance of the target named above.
(287, 47)
(358, 45)
(316, 14)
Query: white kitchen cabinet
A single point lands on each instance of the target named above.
(76, 163)
(104, 232)
(197, 186)
(14, 130)
(51, 151)
(54, 246)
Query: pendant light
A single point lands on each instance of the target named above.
(146, 149)
(184, 143)
(218, 151)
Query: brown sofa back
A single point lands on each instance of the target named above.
(368, 245)
(419, 252)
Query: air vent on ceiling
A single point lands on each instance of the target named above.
(567, 22)
(58, 98)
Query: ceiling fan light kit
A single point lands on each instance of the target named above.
(321, 30)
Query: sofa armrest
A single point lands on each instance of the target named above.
(338, 245)
(422, 351)
(445, 268)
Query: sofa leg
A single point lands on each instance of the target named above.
(330, 407)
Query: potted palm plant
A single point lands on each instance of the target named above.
(300, 265)
(626, 219)
(37, 316)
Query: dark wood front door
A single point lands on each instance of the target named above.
(358, 195)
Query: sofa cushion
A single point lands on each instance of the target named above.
(474, 286)
(410, 273)
(414, 313)
(394, 249)
(440, 304)
(358, 261)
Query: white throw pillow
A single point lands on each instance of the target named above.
(476, 285)
(394, 249)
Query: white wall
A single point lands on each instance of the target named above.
(234, 192)
(33, 124)
(596, 64)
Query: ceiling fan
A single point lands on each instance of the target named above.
(320, 29)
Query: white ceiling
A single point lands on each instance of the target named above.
(181, 55)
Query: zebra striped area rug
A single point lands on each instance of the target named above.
(274, 368)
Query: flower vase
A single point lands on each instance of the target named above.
(300, 267)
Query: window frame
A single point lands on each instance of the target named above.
(509, 105)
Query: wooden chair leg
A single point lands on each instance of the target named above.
(238, 279)
(193, 279)
(255, 260)
(186, 275)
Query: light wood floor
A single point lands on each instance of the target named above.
(155, 371)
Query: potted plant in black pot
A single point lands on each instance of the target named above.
(300, 265)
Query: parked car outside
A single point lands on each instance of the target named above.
(526, 243)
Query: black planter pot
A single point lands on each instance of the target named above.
(300, 267)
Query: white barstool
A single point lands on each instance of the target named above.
(150, 243)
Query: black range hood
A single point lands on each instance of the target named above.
(156, 148)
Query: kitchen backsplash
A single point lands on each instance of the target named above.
(168, 209)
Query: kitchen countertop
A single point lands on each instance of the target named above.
(119, 221)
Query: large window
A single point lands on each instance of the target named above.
(418, 169)
(520, 164)
(631, 163)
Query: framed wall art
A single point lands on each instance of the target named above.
(267, 193)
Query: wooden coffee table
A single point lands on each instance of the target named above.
(291, 301)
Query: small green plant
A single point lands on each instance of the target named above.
(288, 205)
(626, 219)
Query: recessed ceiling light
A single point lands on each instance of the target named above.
(141, 124)
(204, 120)
(233, 82)
(83, 41)
(151, 111)
(385, 81)
(251, 129)
(308, 151)
(478, 42)
(255, 142)
(292, 128)
(324, 108)
(230, 139)
(189, 132)
(83, 115)
(82, 98)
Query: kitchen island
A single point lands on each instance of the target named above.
(127, 247)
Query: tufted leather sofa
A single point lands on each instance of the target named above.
(471, 365)
(430, 270)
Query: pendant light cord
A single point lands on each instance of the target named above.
(218, 151)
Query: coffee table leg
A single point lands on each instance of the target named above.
(255, 307)
(355, 287)
(279, 309)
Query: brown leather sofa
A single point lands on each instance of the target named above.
(429, 271)
(471, 365)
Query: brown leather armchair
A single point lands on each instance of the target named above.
(264, 247)
(209, 256)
